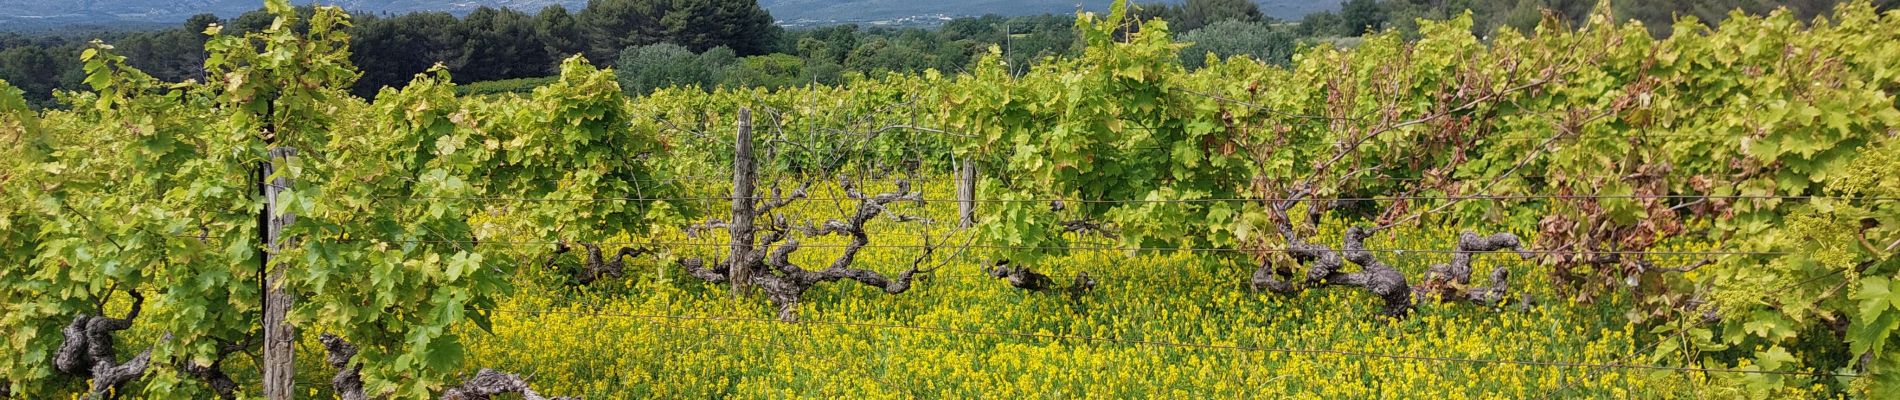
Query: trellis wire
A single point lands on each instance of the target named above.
(1008, 247)
(1111, 248)
(1210, 200)
(1156, 343)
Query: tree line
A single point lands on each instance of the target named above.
(734, 43)
(837, 54)
(1237, 27)
(1359, 16)
(706, 42)
(486, 44)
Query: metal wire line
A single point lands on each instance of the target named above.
(913, 178)
(980, 246)
(1212, 200)
(1205, 346)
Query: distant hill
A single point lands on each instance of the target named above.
(29, 15)
(840, 11)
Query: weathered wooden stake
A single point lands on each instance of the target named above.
(966, 194)
(279, 336)
(742, 203)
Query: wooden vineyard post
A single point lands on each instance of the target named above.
(966, 194)
(742, 178)
(279, 336)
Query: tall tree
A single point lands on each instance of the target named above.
(1235, 37)
(612, 25)
(1323, 23)
(1198, 13)
(1163, 11)
(172, 54)
(741, 25)
(558, 33)
(37, 71)
(391, 51)
(984, 29)
(501, 44)
(1358, 16)
(882, 55)
(643, 69)
(260, 19)
(831, 43)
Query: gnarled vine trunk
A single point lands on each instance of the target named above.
(784, 282)
(486, 384)
(1446, 282)
(88, 352)
(1021, 277)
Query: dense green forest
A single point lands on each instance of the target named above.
(733, 43)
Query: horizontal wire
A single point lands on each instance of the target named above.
(980, 246)
(1490, 137)
(1211, 200)
(1091, 248)
(727, 179)
(1292, 350)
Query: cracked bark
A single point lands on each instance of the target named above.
(1021, 277)
(1081, 285)
(87, 351)
(213, 374)
(966, 194)
(1449, 282)
(743, 176)
(485, 385)
(1373, 276)
(770, 261)
(489, 383)
(1084, 226)
(595, 264)
(348, 381)
(597, 267)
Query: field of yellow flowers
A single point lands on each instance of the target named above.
(1180, 324)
